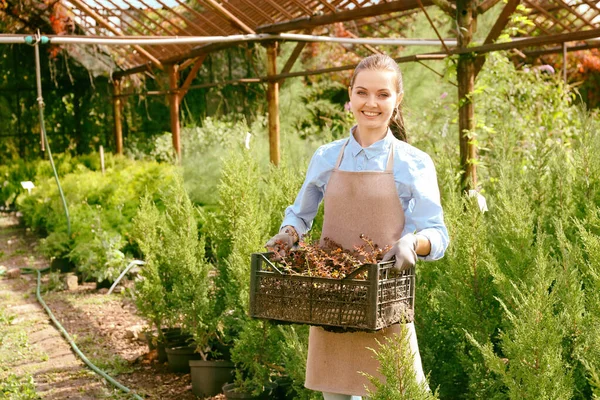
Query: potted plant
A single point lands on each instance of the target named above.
(150, 293)
(184, 271)
(209, 373)
(168, 240)
(257, 357)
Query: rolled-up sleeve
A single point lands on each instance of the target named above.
(426, 216)
(302, 213)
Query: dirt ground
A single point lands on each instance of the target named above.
(34, 355)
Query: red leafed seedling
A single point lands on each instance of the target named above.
(329, 260)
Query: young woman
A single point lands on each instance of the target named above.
(372, 183)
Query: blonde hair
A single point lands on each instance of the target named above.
(381, 62)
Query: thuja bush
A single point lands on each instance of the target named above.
(587, 345)
(530, 361)
(150, 291)
(237, 229)
(511, 311)
(396, 365)
(175, 289)
(252, 199)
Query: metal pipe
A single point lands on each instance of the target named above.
(165, 40)
(40, 100)
(131, 265)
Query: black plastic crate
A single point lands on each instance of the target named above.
(379, 300)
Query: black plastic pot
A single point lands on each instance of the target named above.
(208, 377)
(172, 338)
(179, 358)
(284, 390)
(62, 264)
(104, 284)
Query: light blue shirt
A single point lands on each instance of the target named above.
(414, 174)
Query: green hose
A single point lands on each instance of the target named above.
(66, 335)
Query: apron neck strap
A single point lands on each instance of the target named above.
(390, 162)
(341, 155)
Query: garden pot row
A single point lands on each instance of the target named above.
(208, 378)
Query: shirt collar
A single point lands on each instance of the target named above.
(373, 150)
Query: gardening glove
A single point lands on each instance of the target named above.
(404, 251)
(283, 242)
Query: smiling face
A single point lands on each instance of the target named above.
(373, 98)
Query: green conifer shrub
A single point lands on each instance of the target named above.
(539, 170)
(251, 204)
(175, 287)
(396, 364)
(588, 349)
(531, 363)
(150, 294)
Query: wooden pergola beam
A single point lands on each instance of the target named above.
(191, 75)
(298, 24)
(202, 17)
(465, 75)
(197, 52)
(118, 127)
(84, 8)
(181, 15)
(132, 17)
(428, 56)
(574, 12)
(259, 10)
(174, 102)
(279, 8)
(433, 26)
(349, 15)
(223, 12)
(273, 103)
(293, 57)
(547, 15)
(499, 25)
(531, 42)
(486, 48)
(559, 49)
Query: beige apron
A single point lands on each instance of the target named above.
(355, 203)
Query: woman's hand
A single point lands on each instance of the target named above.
(283, 242)
(405, 253)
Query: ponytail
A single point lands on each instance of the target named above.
(397, 124)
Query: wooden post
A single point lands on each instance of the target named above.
(273, 102)
(565, 60)
(174, 106)
(117, 116)
(466, 84)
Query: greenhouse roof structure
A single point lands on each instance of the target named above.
(176, 35)
(557, 20)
